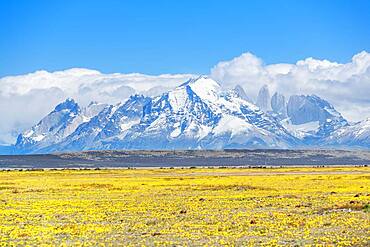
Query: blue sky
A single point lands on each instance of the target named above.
(156, 37)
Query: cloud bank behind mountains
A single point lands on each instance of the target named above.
(346, 86)
(25, 99)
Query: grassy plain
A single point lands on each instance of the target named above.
(187, 207)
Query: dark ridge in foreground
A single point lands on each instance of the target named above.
(186, 158)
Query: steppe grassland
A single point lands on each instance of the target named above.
(156, 207)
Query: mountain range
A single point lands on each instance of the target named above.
(198, 114)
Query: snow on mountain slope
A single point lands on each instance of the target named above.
(199, 115)
(357, 135)
(304, 109)
(257, 128)
(205, 88)
(176, 119)
(57, 125)
(126, 115)
(195, 115)
(83, 137)
(307, 108)
(52, 127)
(301, 131)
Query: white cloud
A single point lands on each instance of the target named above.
(346, 86)
(25, 99)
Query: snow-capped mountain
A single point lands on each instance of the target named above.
(177, 119)
(357, 136)
(108, 127)
(312, 118)
(59, 124)
(198, 114)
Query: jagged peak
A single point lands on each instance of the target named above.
(264, 99)
(93, 103)
(239, 90)
(277, 93)
(312, 96)
(365, 121)
(316, 99)
(307, 108)
(200, 79)
(69, 99)
(203, 86)
(278, 104)
(68, 104)
(137, 97)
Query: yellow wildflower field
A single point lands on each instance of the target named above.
(187, 207)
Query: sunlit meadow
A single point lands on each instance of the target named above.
(210, 207)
